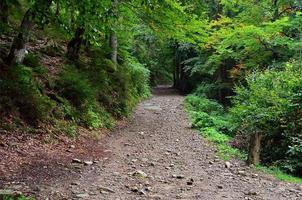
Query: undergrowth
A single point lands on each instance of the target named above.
(279, 174)
(92, 92)
(210, 119)
(217, 126)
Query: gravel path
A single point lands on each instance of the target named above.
(158, 156)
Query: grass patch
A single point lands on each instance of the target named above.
(14, 197)
(280, 175)
(225, 151)
(210, 119)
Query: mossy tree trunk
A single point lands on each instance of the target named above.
(73, 47)
(113, 41)
(18, 48)
(254, 149)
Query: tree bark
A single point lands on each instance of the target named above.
(73, 47)
(18, 48)
(113, 42)
(4, 12)
(114, 46)
(254, 149)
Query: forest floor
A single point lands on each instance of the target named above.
(156, 155)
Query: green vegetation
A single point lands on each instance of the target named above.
(90, 62)
(14, 197)
(208, 117)
(276, 172)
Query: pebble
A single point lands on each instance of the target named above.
(241, 173)
(227, 165)
(251, 193)
(139, 174)
(83, 195)
(178, 176)
(190, 182)
(75, 160)
(106, 189)
(88, 162)
(134, 189)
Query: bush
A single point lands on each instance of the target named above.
(214, 124)
(20, 92)
(271, 104)
(139, 78)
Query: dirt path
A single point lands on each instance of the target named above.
(157, 156)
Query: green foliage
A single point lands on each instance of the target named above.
(270, 104)
(139, 78)
(276, 172)
(21, 93)
(16, 197)
(208, 117)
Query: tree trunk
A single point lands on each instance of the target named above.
(73, 47)
(4, 12)
(254, 149)
(113, 46)
(18, 48)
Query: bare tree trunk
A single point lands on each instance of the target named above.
(4, 12)
(73, 47)
(254, 149)
(113, 46)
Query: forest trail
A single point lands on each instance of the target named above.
(158, 156)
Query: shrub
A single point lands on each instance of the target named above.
(20, 92)
(271, 104)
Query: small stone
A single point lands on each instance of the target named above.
(142, 192)
(178, 176)
(300, 188)
(148, 189)
(106, 189)
(134, 189)
(227, 165)
(75, 160)
(255, 175)
(72, 146)
(74, 183)
(190, 182)
(211, 162)
(251, 193)
(88, 162)
(241, 173)
(140, 174)
(83, 195)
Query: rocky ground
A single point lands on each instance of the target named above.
(156, 155)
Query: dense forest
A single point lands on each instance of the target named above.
(68, 64)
